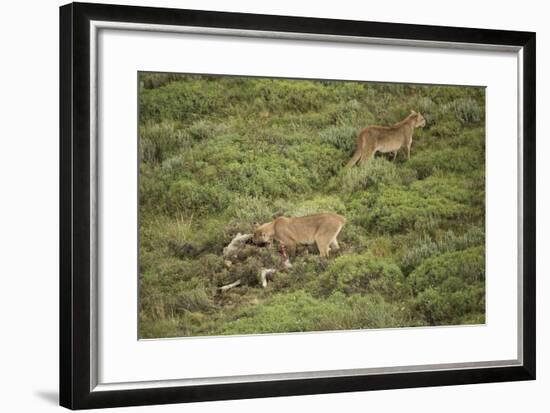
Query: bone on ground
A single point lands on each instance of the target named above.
(236, 243)
(229, 286)
(264, 274)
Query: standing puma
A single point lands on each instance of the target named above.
(385, 139)
(321, 229)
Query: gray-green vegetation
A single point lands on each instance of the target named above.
(218, 154)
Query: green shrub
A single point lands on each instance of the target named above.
(341, 137)
(467, 110)
(452, 187)
(174, 298)
(427, 246)
(299, 311)
(190, 196)
(250, 209)
(461, 160)
(317, 205)
(373, 173)
(347, 113)
(271, 176)
(317, 162)
(398, 209)
(288, 95)
(427, 107)
(157, 141)
(450, 286)
(446, 129)
(362, 274)
(182, 101)
(155, 80)
(406, 175)
(202, 130)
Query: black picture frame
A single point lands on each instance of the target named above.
(75, 219)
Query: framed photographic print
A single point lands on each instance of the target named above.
(258, 206)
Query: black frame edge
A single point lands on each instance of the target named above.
(75, 221)
(192, 394)
(529, 205)
(75, 306)
(65, 206)
(249, 21)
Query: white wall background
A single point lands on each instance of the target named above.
(29, 205)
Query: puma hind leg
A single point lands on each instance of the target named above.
(367, 155)
(323, 247)
(334, 242)
(356, 156)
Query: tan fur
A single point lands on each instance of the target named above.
(385, 139)
(321, 229)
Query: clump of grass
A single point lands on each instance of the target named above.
(158, 140)
(446, 129)
(427, 246)
(170, 301)
(346, 113)
(251, 209)
(341, 137)
(189, 195)
(462, 160)
(426, 106)
(362, 274)
(467, 110)
(299, 311)
(155, 80)
(316, 205)
(450, 286)
(398, 209)
(369, 175)
(202, 130)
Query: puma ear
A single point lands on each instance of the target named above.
(413, 112)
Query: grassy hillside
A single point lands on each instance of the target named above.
(221, 153)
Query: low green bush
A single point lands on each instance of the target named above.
(191, 196)
(399, 209)
(299, 311)
(202, 130)
(348, 113)
(155, 80)
(341, 137)
(362, 274)
(291, 96)
(159, 140)
(182, 101)
(251, 209)
(174, 299)
(369, 175)
(426, 246)
(450, 286)
(445, 129)
(319, 204)
(461, 160)
(467, 110)
(271, 176)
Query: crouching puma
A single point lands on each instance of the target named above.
(321, 229)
